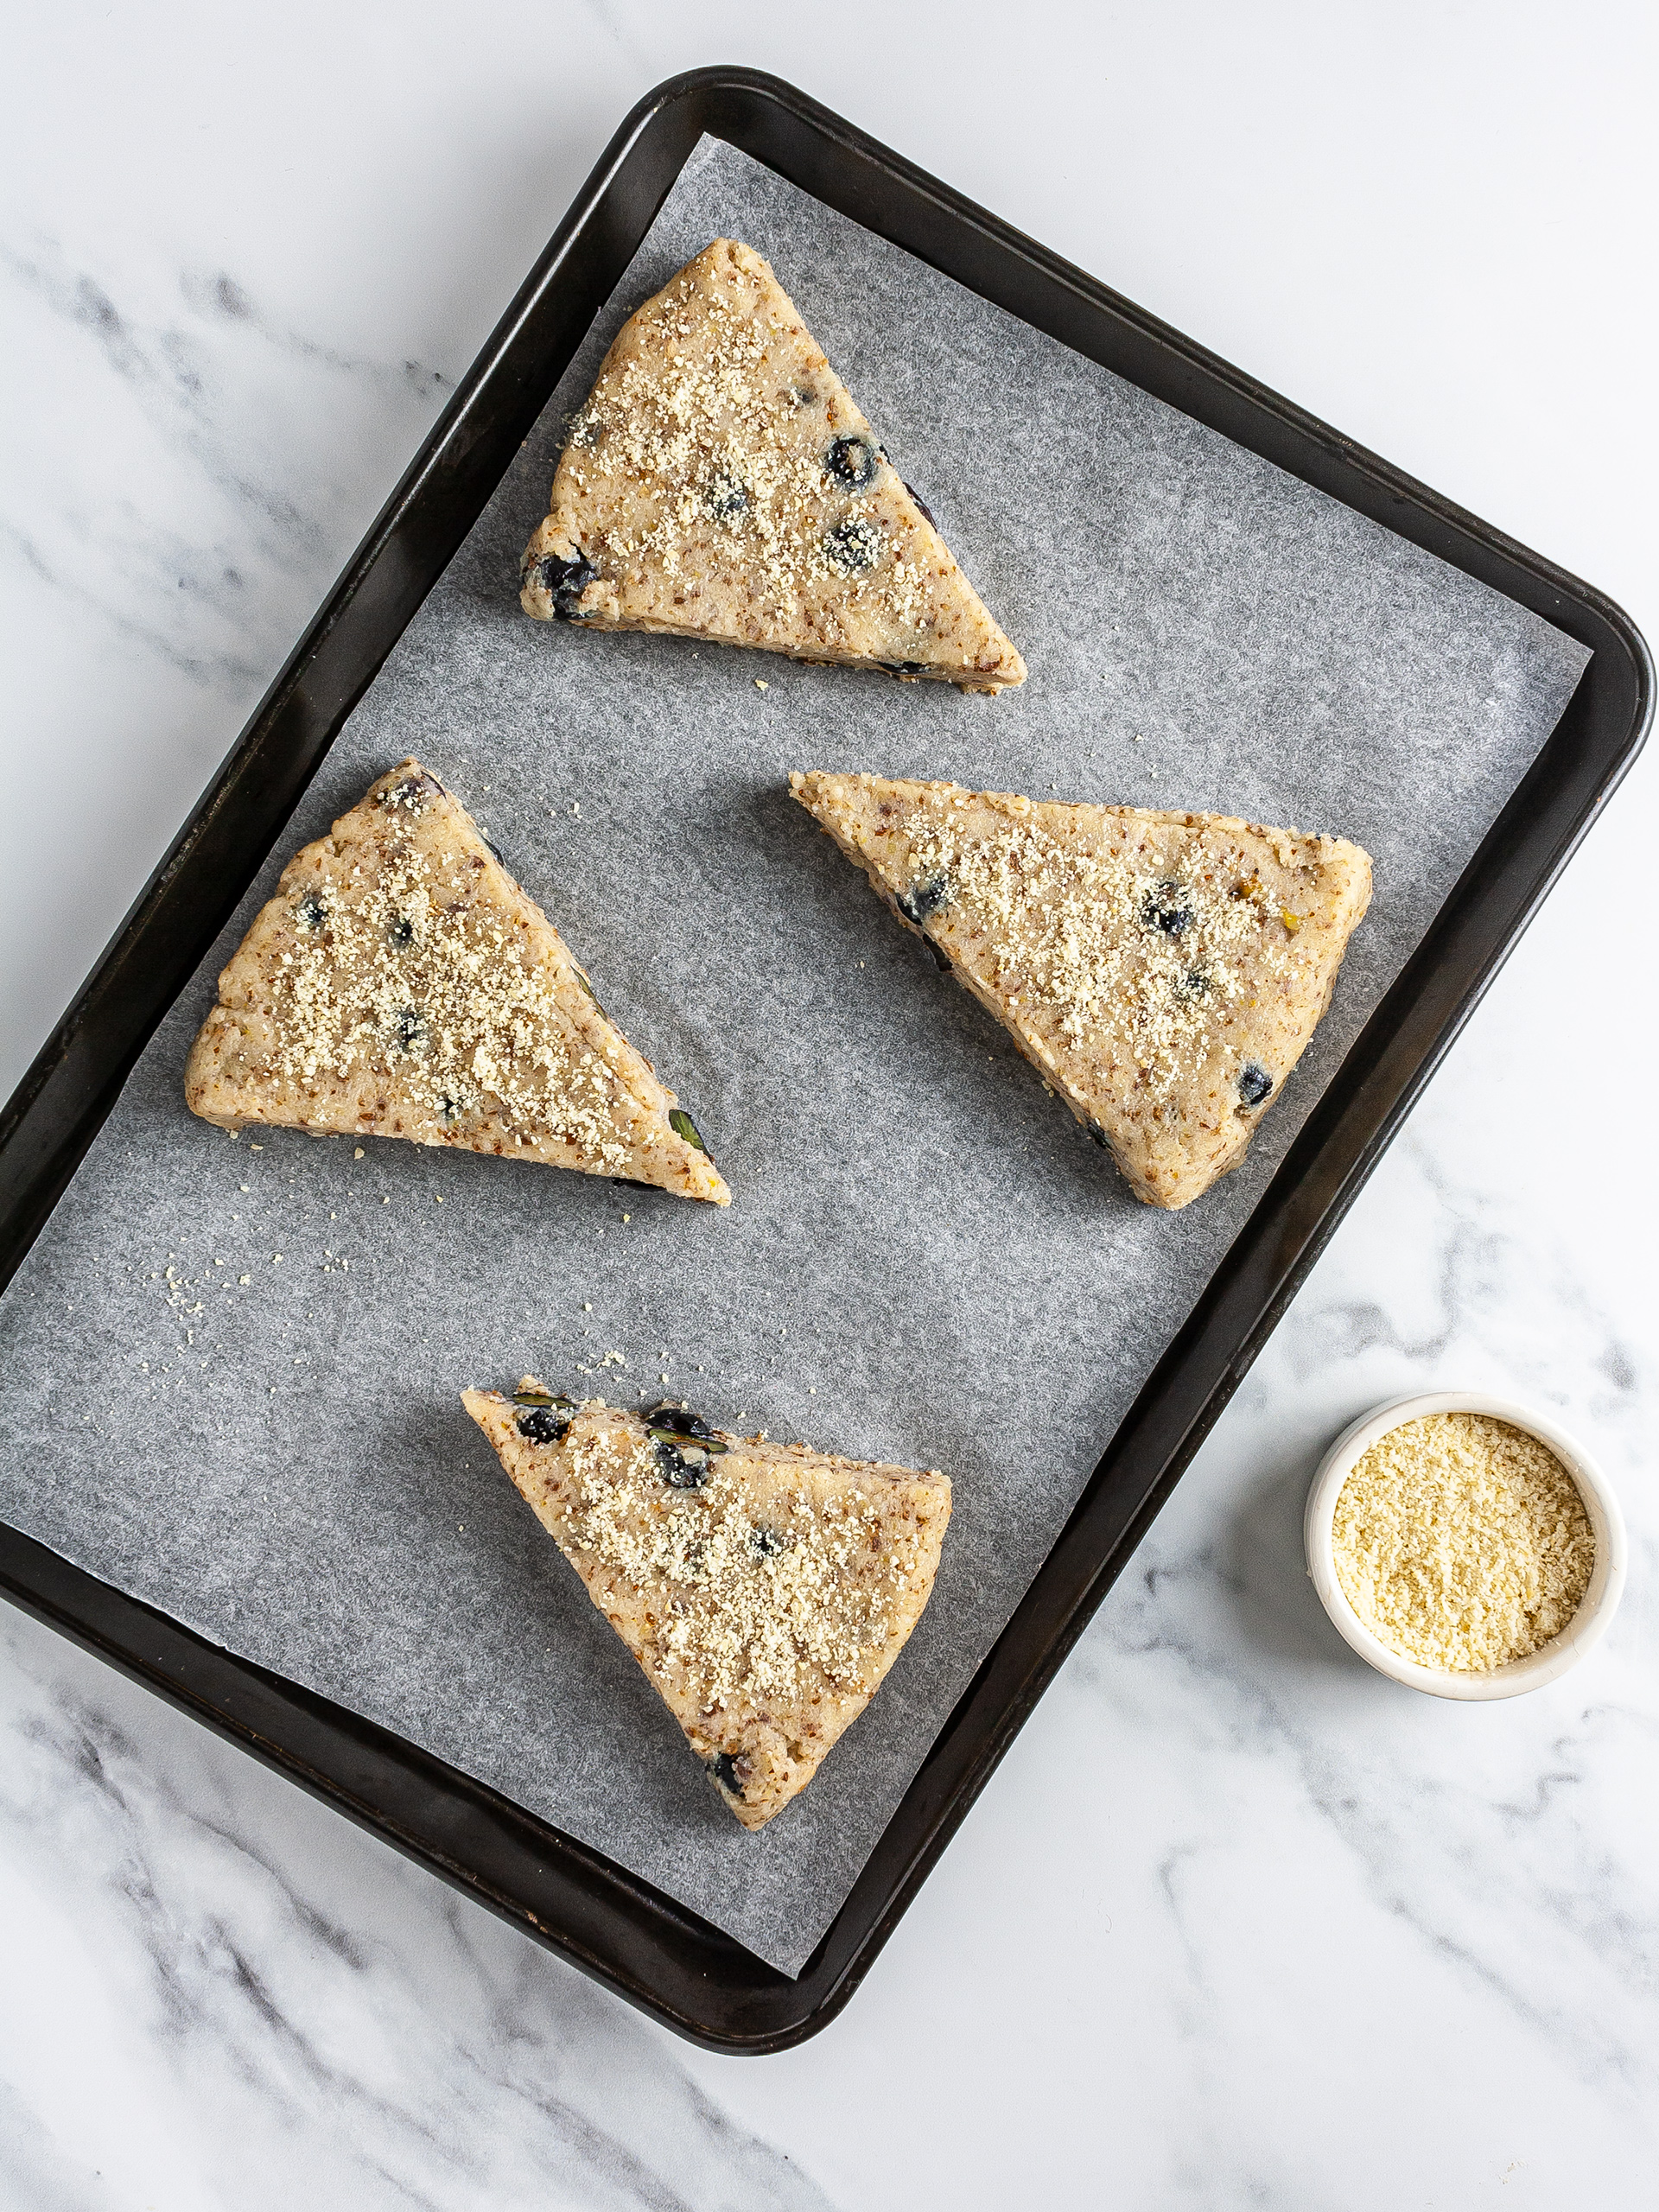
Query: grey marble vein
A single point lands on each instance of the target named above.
(330, 2008)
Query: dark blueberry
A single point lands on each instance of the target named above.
(565, 581)
(413, 792)
(726, 497)
(723, 1767)
(408, 1028)
(851, 462)
(543, 1424)
(591, 991)
(766, 1542)
(683, 1126)
(681, 1466)
(311, 913)
(401, 931)
(905, 667)
(1162, 909)
(449, 1108)
(1099, 1135)
(1254, 1084)
(924, 898)
(853, 546)
(1192, 985)
(679, 1422)
(923, 505)
(494, 851)
(632, 1182)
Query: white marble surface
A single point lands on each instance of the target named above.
(1236, 1923)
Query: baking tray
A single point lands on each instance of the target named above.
(652, 1950)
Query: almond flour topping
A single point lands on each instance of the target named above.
(1462, 1542)
(1163, 970)
(1136, 963)
(707, 428)
(400, 968)
(746, 1606)
(764, 1589)
(720, 483)
(399, 983)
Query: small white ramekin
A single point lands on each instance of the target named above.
(1596, 1609)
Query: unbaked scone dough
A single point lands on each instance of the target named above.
(765, 1589)
(401, 984)
(720, 483)
(1162, 972)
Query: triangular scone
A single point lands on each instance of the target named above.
(720, 483)
(400, 984)
(765, 1589)
(1162, 972)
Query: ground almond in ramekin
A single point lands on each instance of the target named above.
(1461, 1543)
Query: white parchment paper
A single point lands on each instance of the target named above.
(233, 1367)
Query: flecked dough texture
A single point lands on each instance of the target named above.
(720, 483)
(1163, 972)
(401, 984)
(765, 1589)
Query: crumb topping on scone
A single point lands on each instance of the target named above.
(1136, 964)
(1163, 970)
(721, 482)
(764, 1589)
(400, 983)
(718, 432)
(401, 961)
(767, 1605)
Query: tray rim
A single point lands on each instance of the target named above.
(650, 1950)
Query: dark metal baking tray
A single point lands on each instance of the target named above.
(650, 1950)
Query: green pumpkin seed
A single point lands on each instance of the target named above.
(686, 1445)
(683, 1126)
(544, 1398)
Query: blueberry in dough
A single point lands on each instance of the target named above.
(311, 913)
(681, 1466)
(851, 462)
(1254, 1084)
(726, 497)
(853, 546)
(723, 1767)
(542, 1424)
(924, 898)
(413, 791)
(1162, 909)
(565, 582)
